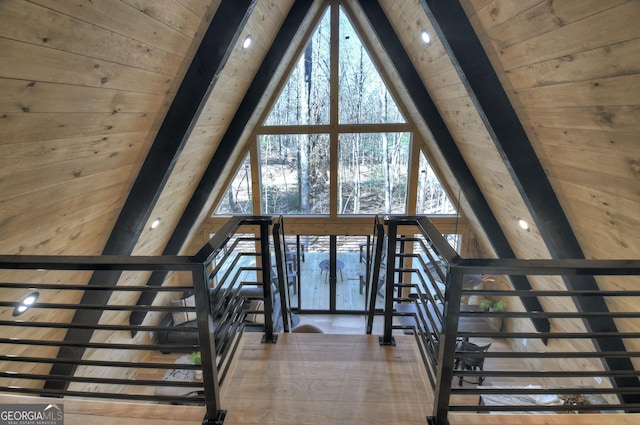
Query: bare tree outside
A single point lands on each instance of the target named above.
(372, 166)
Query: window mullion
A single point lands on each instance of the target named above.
(333, 113)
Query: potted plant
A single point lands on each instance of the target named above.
(493, 306)
(489, 305)
(196, 358)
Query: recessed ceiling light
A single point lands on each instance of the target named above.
(523, 224)
(424, 35)
(26, 303)
(155, 223)
(247, 42)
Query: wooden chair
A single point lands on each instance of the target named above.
(291, 279)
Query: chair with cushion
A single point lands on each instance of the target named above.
(470, 363)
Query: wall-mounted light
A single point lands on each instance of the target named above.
(26, 303)
(155, 223)
(247, 42)
(523, 224)
(425, 37)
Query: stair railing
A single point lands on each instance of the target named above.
(599, 375)
(71, 353)
(374, 255)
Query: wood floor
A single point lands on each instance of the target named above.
(313, 379)
(326, 379)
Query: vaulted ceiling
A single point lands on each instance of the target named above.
(115, 113)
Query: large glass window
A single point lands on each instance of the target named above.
(363, 127)
(373, 173)
(363, 96)
(432, 198)
(305, 97)
(295, 173)
(238, 198)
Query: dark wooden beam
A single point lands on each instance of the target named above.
(465, 49)
(216, 46)
(245, 111)
(229, 141)
(432, 118)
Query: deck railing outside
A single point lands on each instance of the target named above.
(584, 363)
(74, 353)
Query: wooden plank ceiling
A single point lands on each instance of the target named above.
(85, 87)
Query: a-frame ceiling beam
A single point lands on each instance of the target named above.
(465, 49)
(212, 54)
(230, 140)
(245, 111)
(431, 116)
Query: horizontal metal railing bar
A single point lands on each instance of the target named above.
(221, 238)
(552, 314)
(102, 363)
(545, 408)
(414, 330)
(97, 345)
(546, 373)
(564, 267)
(227, 280)
(61, 325)
(112, 381)
(427, 228)
(549, 293)
(410, 314)
(73, 287)
(550, 335)
(543, 390)
(110, 307)
(102, 262)
(43, 392)
(228, 260)
(550, 354)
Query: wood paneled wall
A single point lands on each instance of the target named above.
(83, 88)
(85, 85)
(573, 83)
(571, 70)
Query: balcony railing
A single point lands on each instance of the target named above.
(583, 362)
(77, 340)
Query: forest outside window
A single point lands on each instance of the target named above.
(294, 173)
(238, 199)
(335, 142)
(373, 173)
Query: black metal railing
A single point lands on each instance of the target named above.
(374, 270)
(523, 370)
(89, 349)
(281, 272)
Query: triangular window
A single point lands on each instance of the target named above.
(304, 99)
(363, 95)
(432, 198)
(238, 198)
(335, 142)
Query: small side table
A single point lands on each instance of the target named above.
(324, 267)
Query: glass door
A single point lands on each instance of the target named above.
(330, 273)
